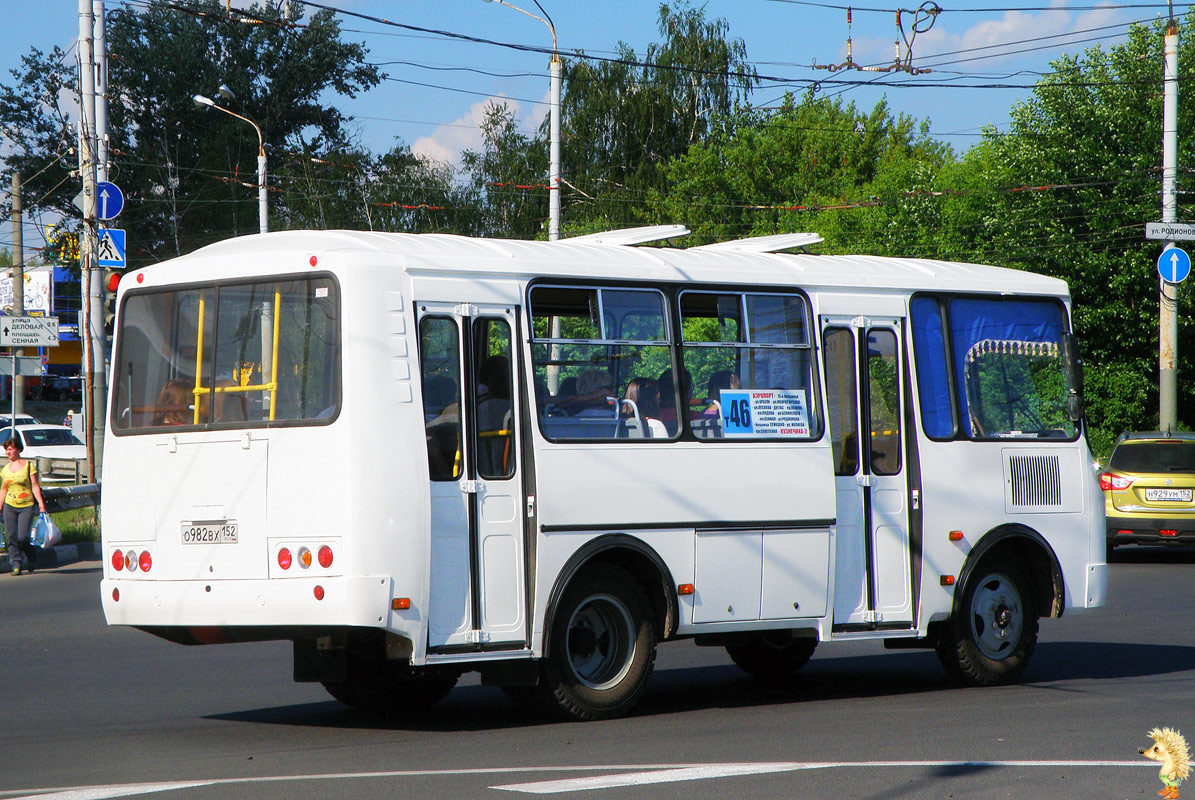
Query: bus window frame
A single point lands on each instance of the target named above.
(817, 427)
(598, 286)
(182, 287)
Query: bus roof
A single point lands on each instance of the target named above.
(447, 253)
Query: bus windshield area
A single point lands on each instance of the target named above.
(992, 368)
(228, 355)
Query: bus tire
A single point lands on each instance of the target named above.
(603, 646)
(772, 655)
(391, 688)
(991, 636)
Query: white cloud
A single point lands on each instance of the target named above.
(447, 142)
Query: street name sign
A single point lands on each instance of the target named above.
(1174, 265)
(1170, 231)
(29, 331)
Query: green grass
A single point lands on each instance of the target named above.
(78, 525)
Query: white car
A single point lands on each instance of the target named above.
(46, 441)
(22, 419)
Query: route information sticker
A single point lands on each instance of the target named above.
(764, 412)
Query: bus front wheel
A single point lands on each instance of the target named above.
(990, 637)
(602, 648)
(391, 688)
(772, 655)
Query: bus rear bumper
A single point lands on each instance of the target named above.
(362, 601)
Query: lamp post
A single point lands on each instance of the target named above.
(262, 207)
(553, 123)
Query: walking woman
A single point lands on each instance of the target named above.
(19, 489)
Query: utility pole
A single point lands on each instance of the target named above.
(1168, 292)
(18, 291)
(91, 319)
(101, 90)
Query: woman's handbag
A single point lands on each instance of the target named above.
(44, 533)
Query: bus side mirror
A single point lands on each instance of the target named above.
(1073, 365)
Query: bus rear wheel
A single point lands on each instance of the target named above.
(603, 646)
(391, 688)
(772, 655)
(989, 639)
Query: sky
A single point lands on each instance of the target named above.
(981, 55)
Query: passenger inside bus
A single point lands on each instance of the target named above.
(174, 404)
(641, 408)
(594, 387)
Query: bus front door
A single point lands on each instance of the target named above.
(477, 597)
(864, 375)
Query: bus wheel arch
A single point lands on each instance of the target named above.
(1009, 581)
(605, 617)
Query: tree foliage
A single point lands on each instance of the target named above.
(184, 168)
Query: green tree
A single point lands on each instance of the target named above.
(1090, 135)
(184, 168)
(761, 172)
(507, 178)
(624, 120)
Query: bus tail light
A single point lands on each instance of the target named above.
(130, 560)
(325, 556)
(145, 561)
(117, 560)
(319, 592)
(400, 603)
(1110, 482)
(284, 558)
(304, 557)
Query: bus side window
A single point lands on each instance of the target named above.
(439, 364)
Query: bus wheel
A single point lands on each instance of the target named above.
(772, 655)
(989, 640)
(391, 688)
(603, 646)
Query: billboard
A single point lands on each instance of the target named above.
(39, 293)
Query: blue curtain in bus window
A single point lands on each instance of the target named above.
(933, 388)
(973, 320)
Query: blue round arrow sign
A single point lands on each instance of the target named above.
(109, 200)
(1174, 265)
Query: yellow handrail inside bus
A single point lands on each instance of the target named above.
(198, 363)
(271, 386)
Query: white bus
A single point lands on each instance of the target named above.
(415, 456)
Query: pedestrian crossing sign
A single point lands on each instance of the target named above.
(111, 248)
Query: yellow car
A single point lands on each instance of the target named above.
(1148, 489)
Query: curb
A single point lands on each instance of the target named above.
(60, 555)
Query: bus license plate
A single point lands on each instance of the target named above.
(1169, 495)
(222, 532)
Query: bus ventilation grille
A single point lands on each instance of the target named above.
(1036, 480)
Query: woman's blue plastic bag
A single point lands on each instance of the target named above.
(44, 532)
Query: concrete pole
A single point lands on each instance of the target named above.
(101, 91)
(554, 149)
(18, 290)
(263, 211)
(1168, 294)
(91, 320)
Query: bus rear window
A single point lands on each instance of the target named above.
(228, 356)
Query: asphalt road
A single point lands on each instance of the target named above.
(92, 712)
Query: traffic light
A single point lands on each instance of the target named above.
(111, 281)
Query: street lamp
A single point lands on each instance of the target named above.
(262, 208)
(553, 124)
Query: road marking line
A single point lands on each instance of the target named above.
(629, 774)
(731, 770)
